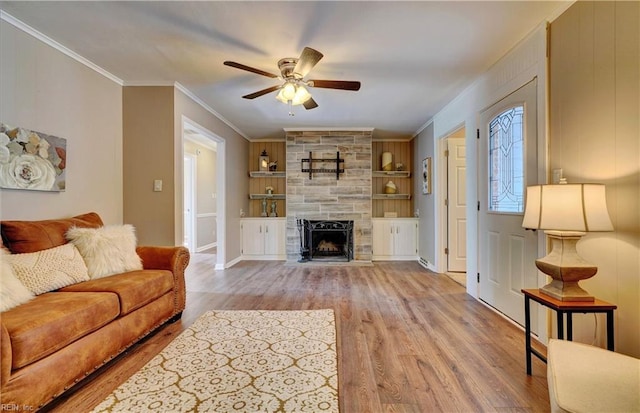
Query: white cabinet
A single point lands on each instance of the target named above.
(263, 238)
(395, 239)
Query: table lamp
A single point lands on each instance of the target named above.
(566, 212)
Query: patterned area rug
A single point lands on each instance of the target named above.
(240, 361)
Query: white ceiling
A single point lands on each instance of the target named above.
(411, 57)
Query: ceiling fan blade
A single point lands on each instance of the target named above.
(335, 84)
(310, 104)
(249, 69)
(262, 92)
(308, 59)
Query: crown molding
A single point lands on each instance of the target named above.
(145, 83)
(330, 129)
(209, 109)
(59, 47)
(421, 128)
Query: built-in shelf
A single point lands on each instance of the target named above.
(391, 196)
(268, 174)
(267, 196)
(395, 174)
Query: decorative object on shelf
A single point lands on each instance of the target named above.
(31, 160)
(274, 209)
(387, 160)
(399, 166)
(264, 161)
(264, 208)
(310, 160)
(426, 176)
(273, 166)
(269, 190)
(566, 212)
(390, 188)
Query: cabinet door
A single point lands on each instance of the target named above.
(405, 238)
(383, 235)
(253, 237)
(274, 239)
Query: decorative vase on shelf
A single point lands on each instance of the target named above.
(390, 188)
(387, 160)
(274, 209)
(264, 161)
(264, 207)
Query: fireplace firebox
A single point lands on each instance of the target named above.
(325, 240)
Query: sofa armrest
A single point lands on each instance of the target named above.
(174, 259)
(5, 354)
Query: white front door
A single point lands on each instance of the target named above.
(456, 206)
(507, 164)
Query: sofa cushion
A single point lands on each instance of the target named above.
(106, 250)
(134, 289)
(12, 291)
(31, 236)
(52, 321)
(49, 269)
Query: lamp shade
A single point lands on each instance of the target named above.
(567, 207)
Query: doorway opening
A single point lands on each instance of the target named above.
(203, 191)
(452, 150)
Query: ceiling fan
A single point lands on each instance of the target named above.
(294, 89)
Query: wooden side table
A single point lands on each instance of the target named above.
(562, 308)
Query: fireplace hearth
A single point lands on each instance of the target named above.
(325, 240)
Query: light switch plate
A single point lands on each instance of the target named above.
(157, 185)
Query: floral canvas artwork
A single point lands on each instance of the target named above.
(31, 160)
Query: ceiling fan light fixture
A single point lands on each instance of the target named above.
(302, 95)
(288, 91)
(293, 94)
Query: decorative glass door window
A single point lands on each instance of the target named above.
(506, 161)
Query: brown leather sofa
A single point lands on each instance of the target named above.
(54, 341)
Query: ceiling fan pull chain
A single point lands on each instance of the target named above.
(290, 102)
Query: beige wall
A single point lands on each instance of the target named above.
(47, 91)
(236, 183)
(594, 137)
(148, 132)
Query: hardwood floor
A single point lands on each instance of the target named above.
(409, 340)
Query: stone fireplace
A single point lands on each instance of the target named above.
(325, 197)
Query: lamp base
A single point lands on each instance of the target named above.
(566, 267)
(566, 291)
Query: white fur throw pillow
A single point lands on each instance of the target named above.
(12, 291)
(49, 269)
(107, 250)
